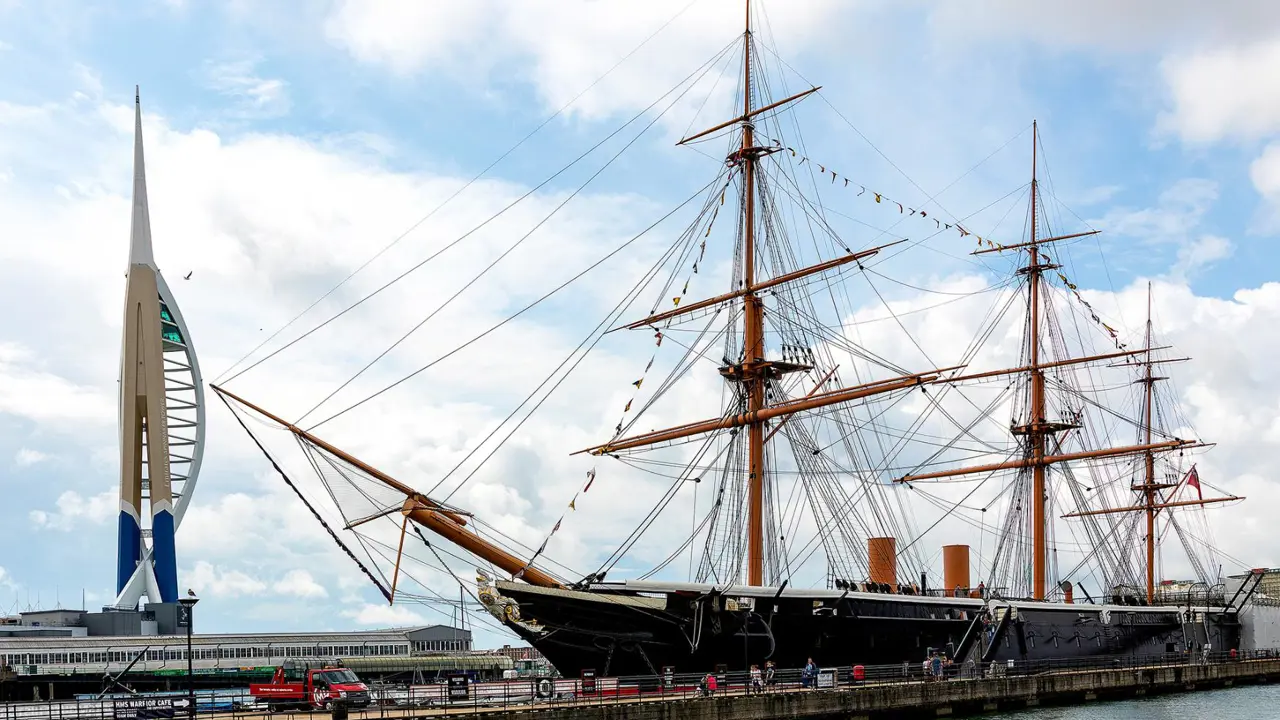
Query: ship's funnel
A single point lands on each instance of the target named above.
(882, 557)
(955, 569)
(1067, 592)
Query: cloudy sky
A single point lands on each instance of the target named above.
(289, 143)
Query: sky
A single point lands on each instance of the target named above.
(288, 143)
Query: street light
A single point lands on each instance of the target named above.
(185, 606)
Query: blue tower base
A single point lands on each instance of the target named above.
(164, 555)
(129, 550)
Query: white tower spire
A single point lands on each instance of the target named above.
(161, 414)
(140, 227)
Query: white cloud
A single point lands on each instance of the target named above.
(1175, 221)
(1094, 195)
(384, 616)
(299, 583)
(1119, 27)
(1180, 208)
(562, 47)
(26, 457)
(256, 96)
(208, 579)
(27, 390)
(1200, 253)
(1265, 174)
(1227, 92)
(75, 511)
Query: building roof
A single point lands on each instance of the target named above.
(354, 637)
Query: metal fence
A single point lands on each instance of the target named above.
(396, 701)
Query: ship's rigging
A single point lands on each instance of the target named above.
(787, 412)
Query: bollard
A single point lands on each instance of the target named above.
(339, 711)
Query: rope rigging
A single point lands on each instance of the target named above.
(810, 326)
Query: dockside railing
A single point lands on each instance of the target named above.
(388, 701)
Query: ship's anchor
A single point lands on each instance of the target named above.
(697, 626)
(647, 661)
(608, 660)
(768, 632)
(611, 644)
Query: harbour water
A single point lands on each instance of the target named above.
(1256, 702)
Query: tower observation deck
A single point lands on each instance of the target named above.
(162, 415)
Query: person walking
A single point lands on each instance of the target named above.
(935, 666)
(770, 672)
(808, 674)
(757, 684)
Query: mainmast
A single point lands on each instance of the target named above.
(1036, 428)
(753, 379)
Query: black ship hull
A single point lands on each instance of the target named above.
(640, 628)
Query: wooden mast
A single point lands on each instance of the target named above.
(1037, 421)
(815, 400)
(1037, 427)
(1149, 488)
(753, 378)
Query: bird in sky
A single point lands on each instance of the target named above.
(188, 275)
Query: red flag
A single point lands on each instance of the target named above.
(1193, 480)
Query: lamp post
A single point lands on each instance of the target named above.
(185, 606)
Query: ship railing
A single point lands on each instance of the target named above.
(389, 701)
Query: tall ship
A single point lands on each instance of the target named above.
(833, 463)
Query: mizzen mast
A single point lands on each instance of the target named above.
(1150, 487)
(1152, 502)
